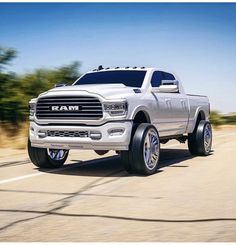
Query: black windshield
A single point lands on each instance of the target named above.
(128, 78)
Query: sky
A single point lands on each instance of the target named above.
(197, 41)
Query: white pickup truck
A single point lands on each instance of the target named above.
(128, 110)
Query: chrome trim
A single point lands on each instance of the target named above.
(90, 108)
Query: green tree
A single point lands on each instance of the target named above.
(6, 55)
(7, 86)
(16, 91)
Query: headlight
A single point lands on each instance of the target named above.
(116, 108)
(32, 107)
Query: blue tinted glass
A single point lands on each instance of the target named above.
(128, 78)
(168, 76)
(156, 79)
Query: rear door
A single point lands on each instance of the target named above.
(178, 108)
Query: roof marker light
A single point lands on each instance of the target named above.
(100, 68)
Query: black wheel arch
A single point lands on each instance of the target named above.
(141, 116)
(200, 117)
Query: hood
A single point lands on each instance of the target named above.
(105, 90)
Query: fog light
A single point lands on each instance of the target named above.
(42, 134)
(116, 132)
(95, 135)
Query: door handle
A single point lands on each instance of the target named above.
(168, 103)
(183, 102)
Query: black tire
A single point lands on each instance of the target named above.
(200, 141)
(126, 161)
(40, 157)
(135, 158)
(126, 156)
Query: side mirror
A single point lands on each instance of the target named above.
(168, 89)
(59, 85)
(167, 86)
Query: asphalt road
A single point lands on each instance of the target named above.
(189, 199)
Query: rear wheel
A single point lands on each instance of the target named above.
(144, 152)
(47, 158)
(200, 141)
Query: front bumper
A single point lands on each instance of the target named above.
(109, 136)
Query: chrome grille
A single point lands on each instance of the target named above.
(63, 133)
(90, 108)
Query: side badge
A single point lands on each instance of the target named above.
(137, 91)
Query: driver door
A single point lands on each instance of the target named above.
(163, 118)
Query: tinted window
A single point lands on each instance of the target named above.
(156, 78)
(128, 78)
(168, 76)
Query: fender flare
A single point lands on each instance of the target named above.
(203, 112)
(143, 109)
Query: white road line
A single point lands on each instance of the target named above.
(61, 169)
(19, 178)
(34, 175)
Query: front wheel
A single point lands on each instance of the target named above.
(144, 152)
(47, 158)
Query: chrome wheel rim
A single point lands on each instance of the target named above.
(207, 138)
(57, 154)
(151, 149)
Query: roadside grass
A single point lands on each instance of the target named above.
(14, 136)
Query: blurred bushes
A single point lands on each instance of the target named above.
(216, 118)
(229, 119)
(17, 90)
